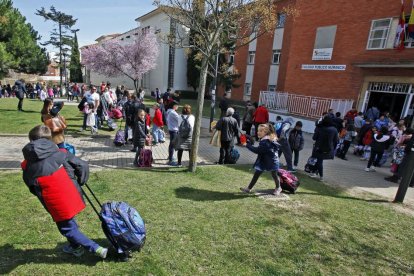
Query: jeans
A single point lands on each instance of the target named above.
(20, 104)
(157, 134)
(287, 152)
(225, 152)
(256, 177)
(296, 155)
(319, 166)
(70, 230)
(173, 134)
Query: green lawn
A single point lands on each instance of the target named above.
(14, 122)
(200, 224)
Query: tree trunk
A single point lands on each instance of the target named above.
(60, 58)
(199, 115)
(136, 82)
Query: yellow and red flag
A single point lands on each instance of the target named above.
(410, 28)
(400, 37)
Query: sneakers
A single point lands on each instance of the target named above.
(77, 252)
(277, 191)
(372, 169)
(295, 168)
(367, 169)
(313, 175)
(245, 190)
(292, 170)
(101, 252)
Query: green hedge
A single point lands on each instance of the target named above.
(188, 94)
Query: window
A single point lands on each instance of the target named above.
(251, 57)
(324, 42)
(379, 33)
(281, 19)
(128, 36)
(231, 59)
(145, 30)
(247, 89)
(271, 88)
(276, 57)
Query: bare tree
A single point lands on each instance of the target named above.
(213, 24)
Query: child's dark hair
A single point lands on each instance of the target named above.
(91, 105)
(40, 131)
(299, 124)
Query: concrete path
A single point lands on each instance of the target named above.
(101, 153)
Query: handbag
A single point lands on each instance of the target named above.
(215, 139)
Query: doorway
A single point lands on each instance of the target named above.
(391, 102)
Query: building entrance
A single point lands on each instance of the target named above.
(393, 103)
(395, 98)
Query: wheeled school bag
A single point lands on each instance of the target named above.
(122, 224)
(111, 124)
(116, 113)
(145, 158)
(119, 139)
(310, 166)
(234, 155)
(288, 181)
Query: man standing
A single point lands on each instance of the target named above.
(173, 123)
(92, 96)
(229, 129)
(20, 91)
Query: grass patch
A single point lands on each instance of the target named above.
(200, 224)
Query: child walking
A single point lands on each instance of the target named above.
(140, 134)
(90, 118)
(380, 143)
(54, 176)
(296, 142)
(267, 156)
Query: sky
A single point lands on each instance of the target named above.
(95, 17)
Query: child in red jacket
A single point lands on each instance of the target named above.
(54, 176)
(157, 126)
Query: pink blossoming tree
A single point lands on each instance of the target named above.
(113, 58)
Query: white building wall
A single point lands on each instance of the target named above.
(158, 77)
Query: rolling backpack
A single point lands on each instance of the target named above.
(310, 166)
(122, 225)
(119, 139)
(145, 158)
(234, 155)
(288, 181)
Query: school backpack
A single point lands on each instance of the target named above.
(116, 113)
(123, 226)
(185, 128)
(288, 181)
(119, 139)
(310, 166)
(279, 127)
(145, 158)
(70, 148)
(234, 155)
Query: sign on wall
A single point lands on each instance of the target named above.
(322, 54)
(324, 67)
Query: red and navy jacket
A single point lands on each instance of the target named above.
(54, 177)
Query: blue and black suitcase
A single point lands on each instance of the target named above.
(123, 226)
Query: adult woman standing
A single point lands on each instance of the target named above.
(53, 120)
(185, 133)
(325, 137)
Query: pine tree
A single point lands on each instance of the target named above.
(75, 65)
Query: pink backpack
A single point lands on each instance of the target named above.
(145, 158)
(288, 181)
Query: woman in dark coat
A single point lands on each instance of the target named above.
(325, 137)
(140, 134)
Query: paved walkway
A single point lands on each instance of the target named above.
(101, 153)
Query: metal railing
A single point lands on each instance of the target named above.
(306, 106)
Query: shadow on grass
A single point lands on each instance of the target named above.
(11, 257)
(206, 195)
(24, 111)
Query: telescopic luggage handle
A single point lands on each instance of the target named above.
(90, 201)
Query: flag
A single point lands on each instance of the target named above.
(410, 28)
(400, 37)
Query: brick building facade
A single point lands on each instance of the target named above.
(353, 38)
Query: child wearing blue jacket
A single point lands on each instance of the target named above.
(267, 156)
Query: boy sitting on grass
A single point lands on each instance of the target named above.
(54, 176)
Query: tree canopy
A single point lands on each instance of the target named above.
(75, 65)
(216, 23)
(19, 50)
(113, 58)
